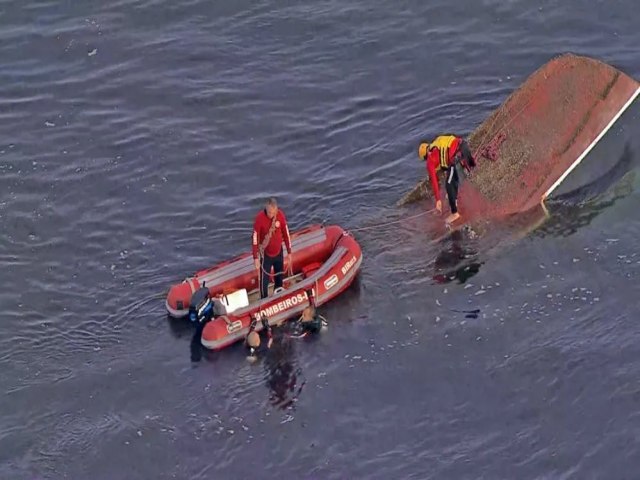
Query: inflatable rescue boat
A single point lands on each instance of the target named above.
(326, 260)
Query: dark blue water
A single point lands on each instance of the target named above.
(139, 138)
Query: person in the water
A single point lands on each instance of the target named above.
(252, 341)
(310, 320)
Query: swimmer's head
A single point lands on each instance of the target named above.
(253, 340)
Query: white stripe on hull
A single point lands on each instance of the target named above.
(590, 147)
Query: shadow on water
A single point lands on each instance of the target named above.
(457, 260)
(181, 328)
(578, 207)
(581, 186)
(571, 213)
(283, 375)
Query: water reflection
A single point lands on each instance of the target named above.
(283, 375)
(179, 327)
(588, 181)
(572, 212)
(576, 208)
(457, 261)
(195, 346)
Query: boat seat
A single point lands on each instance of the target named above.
(235, 300)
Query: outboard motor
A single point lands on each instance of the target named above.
(201, 306)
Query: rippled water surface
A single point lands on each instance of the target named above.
(139, 138)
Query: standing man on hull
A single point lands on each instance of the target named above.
(447, 153)
(270, 230)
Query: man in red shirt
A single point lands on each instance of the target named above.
(269, 231)
(446, 153)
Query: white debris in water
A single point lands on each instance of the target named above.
(49, 124)
(612, 240)
(92, 52)
(468, 285)
(480, 292)
(437, 319)
(438, 302)
(542, 266)
(576, 260)
(287, 419)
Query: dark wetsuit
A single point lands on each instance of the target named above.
(265, 326)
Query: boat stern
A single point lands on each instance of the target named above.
(179, 297)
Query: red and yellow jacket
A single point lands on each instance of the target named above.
(441, 154)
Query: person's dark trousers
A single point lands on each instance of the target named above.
(277, 263)
(452, 181)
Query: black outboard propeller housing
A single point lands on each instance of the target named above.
(201, 306)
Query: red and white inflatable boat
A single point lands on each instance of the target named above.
(326, 261)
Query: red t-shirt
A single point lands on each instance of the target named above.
(433, 165)
(261, 227)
